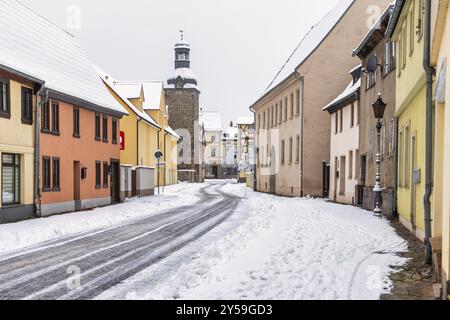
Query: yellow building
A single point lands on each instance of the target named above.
(17, 107)
(406, 29)
(440, 49)
(146, 130)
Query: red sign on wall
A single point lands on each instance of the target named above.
(122, 140)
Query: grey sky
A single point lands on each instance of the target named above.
(237, 45)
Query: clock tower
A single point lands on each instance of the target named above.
(183, 100)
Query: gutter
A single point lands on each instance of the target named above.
(22, 75)
(37, 149)
(430, 71)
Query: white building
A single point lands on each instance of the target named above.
(344, 154)
(230, 151)
(211, 122)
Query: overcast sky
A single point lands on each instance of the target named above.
(237, 45)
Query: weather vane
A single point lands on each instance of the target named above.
(182, 34)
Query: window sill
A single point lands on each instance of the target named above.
(105, 187)
(98, 139)
(46, 190)
(76, 136)
(51, 133)
(5, 115)
(27, 121)
(105, 141)
(98, 187)
(56, 190)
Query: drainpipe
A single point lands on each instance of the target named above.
(302, 130)
(255, 153)
(42, 92)
(429, 70)
(396, 163)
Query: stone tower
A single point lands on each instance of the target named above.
(183, 100)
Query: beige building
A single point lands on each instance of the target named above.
(344, 141)
(293, 133)
(213, 156)
(440, 49)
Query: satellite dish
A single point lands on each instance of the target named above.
(372, 64)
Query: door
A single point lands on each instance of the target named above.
(363, 170)
(115, 181)
(215, 171)
(133, 183)
(326, 180)
(77, 185)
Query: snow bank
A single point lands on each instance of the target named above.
(26, 233)
(290, 249)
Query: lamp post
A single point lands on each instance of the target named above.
(378, 108)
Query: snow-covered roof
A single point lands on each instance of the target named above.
(172, 132)
(310, 42)
(245, 121)
(119, 90)
(34, 46)
(129, 90)
(152, 92)
(350, 90)
(182, 45)
(211, 120)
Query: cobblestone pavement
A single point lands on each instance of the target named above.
(414, 280)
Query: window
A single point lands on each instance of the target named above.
(105, 128)
(298, 102)
(404, 36)
(56, 176)
(105, 175)
(393, 62)
(272, 116)
(213, 139)
(352, 115)
(55, 117)
(341, 120)
(392, 138)
(292, 105)
(420, 19)
(350, 165)
(386, 57)
(383, 141)
(370, 145)
(276, 114)
(114, 131)
(285, 109)
(371, 80)
(10, 179)
(46, 174)
(297, 154)
(213, 152)
(336, 123)
(76, 122)
(27, 105)
(412, 31)
(283, 151)
(45, 125)
(97, 127)
(98, 174)
(264, 120)
(281, 112)
(407, 156)
(4, 98)
(291, 146)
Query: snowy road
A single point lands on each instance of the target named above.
(84, 266)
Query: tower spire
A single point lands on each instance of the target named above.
(182, 34)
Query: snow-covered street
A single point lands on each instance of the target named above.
(217, 240)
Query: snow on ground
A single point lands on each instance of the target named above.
(282, 248)
(26, 233)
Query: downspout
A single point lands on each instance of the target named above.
(429, 70)
(302, 137)
(255, 153)
(165, 160)
(396, 163)
(37, 149)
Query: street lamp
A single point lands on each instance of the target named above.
(378, 109)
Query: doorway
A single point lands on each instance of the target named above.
(215, 172)
(326, 179)
(115, 181)
(77, 185)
